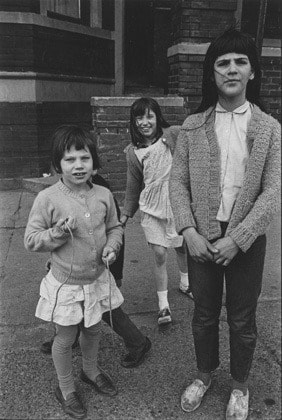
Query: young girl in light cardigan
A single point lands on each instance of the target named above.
(76, 221)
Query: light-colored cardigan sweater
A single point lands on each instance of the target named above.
(195, 191)
(134, 183)
(96, 225)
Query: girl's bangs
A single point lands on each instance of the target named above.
(77, 140)
(140, 109)
(239, 45)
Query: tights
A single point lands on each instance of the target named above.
(62, 353)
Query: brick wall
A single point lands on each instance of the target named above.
(271, 85)
(47, 78)
(110, 119)
(196, 24)
(185, 78)
(201, 20)
(25, 130)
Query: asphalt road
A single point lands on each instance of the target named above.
(151, 391)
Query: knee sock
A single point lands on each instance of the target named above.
(62, 357)
(89, 343)
(163, 302)
(184, 281)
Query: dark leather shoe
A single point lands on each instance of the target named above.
(46, 347)
(187, 292)
(72, 405)
(103, 383)
(132, 360)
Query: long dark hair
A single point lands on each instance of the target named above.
(138, 109)
(231, 41)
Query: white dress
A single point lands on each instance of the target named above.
(156, 214)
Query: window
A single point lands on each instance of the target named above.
(76, 11)
(65, 7)
(250, 13)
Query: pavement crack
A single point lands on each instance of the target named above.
(12, 230)
(19, 205)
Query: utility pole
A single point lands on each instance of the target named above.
(260, 28)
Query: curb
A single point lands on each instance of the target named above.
(30, 184)
(7, 184)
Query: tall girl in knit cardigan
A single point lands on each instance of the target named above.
(76, 221)
(224, 191)
(149, 158)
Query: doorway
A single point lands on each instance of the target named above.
(147, 38)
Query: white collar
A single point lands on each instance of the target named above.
(240, 110)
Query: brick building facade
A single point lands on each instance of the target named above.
(55, 57)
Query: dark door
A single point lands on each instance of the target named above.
(147, 37)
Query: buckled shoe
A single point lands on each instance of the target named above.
(102, 383)
(71, 405)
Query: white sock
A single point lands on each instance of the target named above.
(184, 281)
(163, 302)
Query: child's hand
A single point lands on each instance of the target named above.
(109, 255)
(123, 220)
(66, 224)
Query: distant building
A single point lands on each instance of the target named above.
(58, 54)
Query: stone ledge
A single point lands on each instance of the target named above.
(127, 101)
(270, 49)
(31, 184)
(7, 184)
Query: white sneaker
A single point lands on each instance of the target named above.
(164, 316)
(193, 395)
(238, 406)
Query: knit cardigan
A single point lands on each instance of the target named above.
(134, 183)
(195, 192)
(76, 259)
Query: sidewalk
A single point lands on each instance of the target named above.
(151, 391)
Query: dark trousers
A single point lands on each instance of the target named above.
(134, 340)
(243, 277)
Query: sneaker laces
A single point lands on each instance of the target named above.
(164, 312)
(197, 388)
(239, 399)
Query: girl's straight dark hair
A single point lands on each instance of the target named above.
(231, 41)
(67, 136)
(138, 109)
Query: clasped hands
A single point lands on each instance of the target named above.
(200, 249)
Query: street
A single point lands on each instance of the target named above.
(152, 390)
